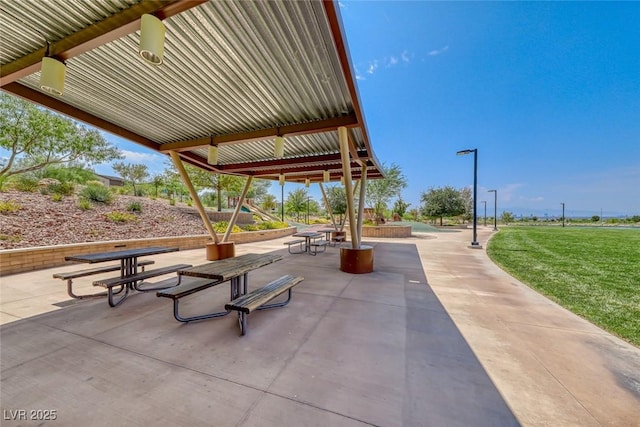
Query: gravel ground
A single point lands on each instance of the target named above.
(40, 221)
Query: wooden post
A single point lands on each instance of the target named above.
(363, 189)
(194, 195)
(328, 206)
(236, 211)
(346, 171)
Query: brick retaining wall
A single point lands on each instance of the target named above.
(385, 231)
(14, 261)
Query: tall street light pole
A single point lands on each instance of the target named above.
(562, 214)
(474, 242)
(485, 212)
(495, 209)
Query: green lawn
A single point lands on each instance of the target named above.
(594, 272)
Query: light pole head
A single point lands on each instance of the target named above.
(464, 152)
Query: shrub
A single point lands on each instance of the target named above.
(11, 238)
(272, 225)
(134, 207)
(26, 183)
(84, 204)
(117, 216)
(97, 193)
(62, 188)
(9, 207)
(56, 197)
(250, 227)
(221, 227)
(94, 182)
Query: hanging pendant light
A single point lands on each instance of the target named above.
(279, 147)
(281, 179)
(151, 39)
(52, 75)
(326, 176)
(307, 181)
(212, 158)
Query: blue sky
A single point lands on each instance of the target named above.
(548, 92)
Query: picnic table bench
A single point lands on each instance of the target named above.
(136, 281)
(295, 242)
(315, 245)
(258, 298)
(69, 276)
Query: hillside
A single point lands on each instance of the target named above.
(41, 221)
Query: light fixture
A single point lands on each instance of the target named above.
(151, 47)
(281, 179)
(278, 149)
(306, 182)
(212, 158)
(52, 74)
(326, 177)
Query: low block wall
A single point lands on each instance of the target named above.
(14, 261)
(386, 231)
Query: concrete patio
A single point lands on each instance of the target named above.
(436, 336)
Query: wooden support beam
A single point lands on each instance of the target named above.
(327, 205)
(326, 125)
(194, 195)
(236, 212)
(346, 171)
(363, 189)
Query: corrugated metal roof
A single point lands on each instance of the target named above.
(229, 68)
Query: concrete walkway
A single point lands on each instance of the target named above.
(437, 335)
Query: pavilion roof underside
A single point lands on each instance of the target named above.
(236, 74)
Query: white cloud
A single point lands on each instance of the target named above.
(146, 158)
(373, 66)
(392, 61)
(406, 56)
(439, 51)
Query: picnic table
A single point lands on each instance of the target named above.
(233, 270)
(308, 235)
(129, 275)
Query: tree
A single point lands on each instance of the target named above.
(337, 198)
(380, 191)
(466, 195)
(157, 181)
(134, 173)
(36, 138)
(296, 202)
(400, 206)
(229, 184)
(441, 202)
(507, 217)
(269, 203)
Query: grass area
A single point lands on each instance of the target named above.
(594, 272)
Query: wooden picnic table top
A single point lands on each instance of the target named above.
(96, 257)
(229, 268)
(307, 234)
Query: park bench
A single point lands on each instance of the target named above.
(71, 275)
(295, 242)
(133, 282)
(188, 285)
(317, 245)
(256, 299)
